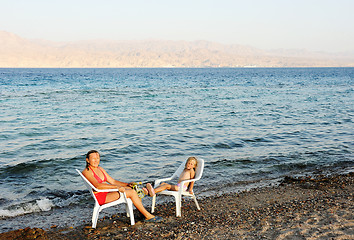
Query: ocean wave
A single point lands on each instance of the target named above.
(275, 165)
(231, 162)
(42, 204)
(30, 166)
(50, 200)
(228, 145)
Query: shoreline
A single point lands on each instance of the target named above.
(317, 207)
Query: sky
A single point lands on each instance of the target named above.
(315, 25)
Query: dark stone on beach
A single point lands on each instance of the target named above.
(27, 233)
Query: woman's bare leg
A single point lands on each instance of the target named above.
(130, 193)
(137, 203)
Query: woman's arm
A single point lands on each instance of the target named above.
(113, 181)
(89, 176)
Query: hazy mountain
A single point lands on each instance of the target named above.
(19, 52)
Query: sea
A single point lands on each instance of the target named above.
(252, 127)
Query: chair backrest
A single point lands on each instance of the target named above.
(88, 184)
(198, 171)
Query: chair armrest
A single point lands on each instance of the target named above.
(180, 190)
(158, 181)
(189, 180)
(125, 196)
(106, 190)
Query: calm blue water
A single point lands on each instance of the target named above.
(249, 125)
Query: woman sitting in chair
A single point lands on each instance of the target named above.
(101, 180)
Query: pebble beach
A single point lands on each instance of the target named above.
(312, 207)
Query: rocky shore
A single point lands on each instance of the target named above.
(317, 207)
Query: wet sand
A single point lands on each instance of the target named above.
(317, 207)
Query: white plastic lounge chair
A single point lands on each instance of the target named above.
(98, 208)
(178, 194)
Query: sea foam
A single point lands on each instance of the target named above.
(42, 204)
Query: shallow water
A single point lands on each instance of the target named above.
(249, 125)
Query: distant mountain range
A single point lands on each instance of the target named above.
(16, 52)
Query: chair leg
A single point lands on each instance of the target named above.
(127, 209)
(178, 206)
(130, 212)
(96, 211)
(196, 202)
(153, 203)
